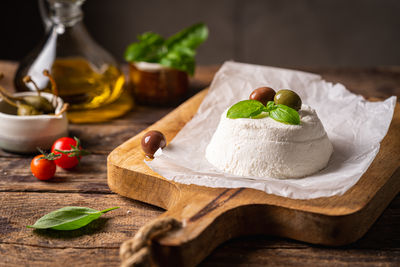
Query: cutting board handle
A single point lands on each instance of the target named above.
(188, 231)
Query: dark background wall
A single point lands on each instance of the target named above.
(269, 32)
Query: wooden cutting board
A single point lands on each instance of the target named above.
(214, 215)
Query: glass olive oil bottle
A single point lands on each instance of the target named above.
(86, 75)
(82, 85)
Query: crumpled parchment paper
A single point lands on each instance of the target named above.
(355, 127)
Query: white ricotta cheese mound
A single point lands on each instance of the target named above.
(267, 148)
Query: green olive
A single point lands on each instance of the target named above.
(288, 98)
(27, 110)
(39, 103)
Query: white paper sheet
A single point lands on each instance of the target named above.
(354, 126)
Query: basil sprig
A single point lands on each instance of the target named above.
(254, 108)
(68, 218)
(177, 52)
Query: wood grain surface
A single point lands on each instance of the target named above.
(25, 199)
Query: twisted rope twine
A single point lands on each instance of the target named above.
(135, 252)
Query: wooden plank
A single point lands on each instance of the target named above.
(380, 246)
(89, 176)
(101, 139)
(240, 255)
(21, 209)
(98, 246)
(380, 82)
(245, 253)
(34, 256)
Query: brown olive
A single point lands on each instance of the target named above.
(263, 94)
(288, 98)
(152, 141)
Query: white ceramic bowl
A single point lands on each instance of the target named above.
(23, 134)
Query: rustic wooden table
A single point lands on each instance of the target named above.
(24, 199)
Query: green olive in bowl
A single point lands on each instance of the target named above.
(288, 98)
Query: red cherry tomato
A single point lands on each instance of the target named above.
(42, 168)
(70, 151)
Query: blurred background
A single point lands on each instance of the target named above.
(268, 32)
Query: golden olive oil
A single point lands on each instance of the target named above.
(84, 86)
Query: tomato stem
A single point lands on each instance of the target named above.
(75, 151)
(49, 156)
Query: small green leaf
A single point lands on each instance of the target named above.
(190, 37)
(285, 114)
(149, 48)
(179, 62)
(260, 116)
(270, 105)
(245, 109)
(177, 52)
(68, 218)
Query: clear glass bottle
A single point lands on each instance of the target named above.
(86, 75)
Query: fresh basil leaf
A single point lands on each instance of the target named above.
(182, 46)
(270, 105)
(68, 218)
(176, 52)
(245, 109)
(149, 49)
(285, 114)
(260, 116)
(150, 37)
(180, 62)
(189, 38)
